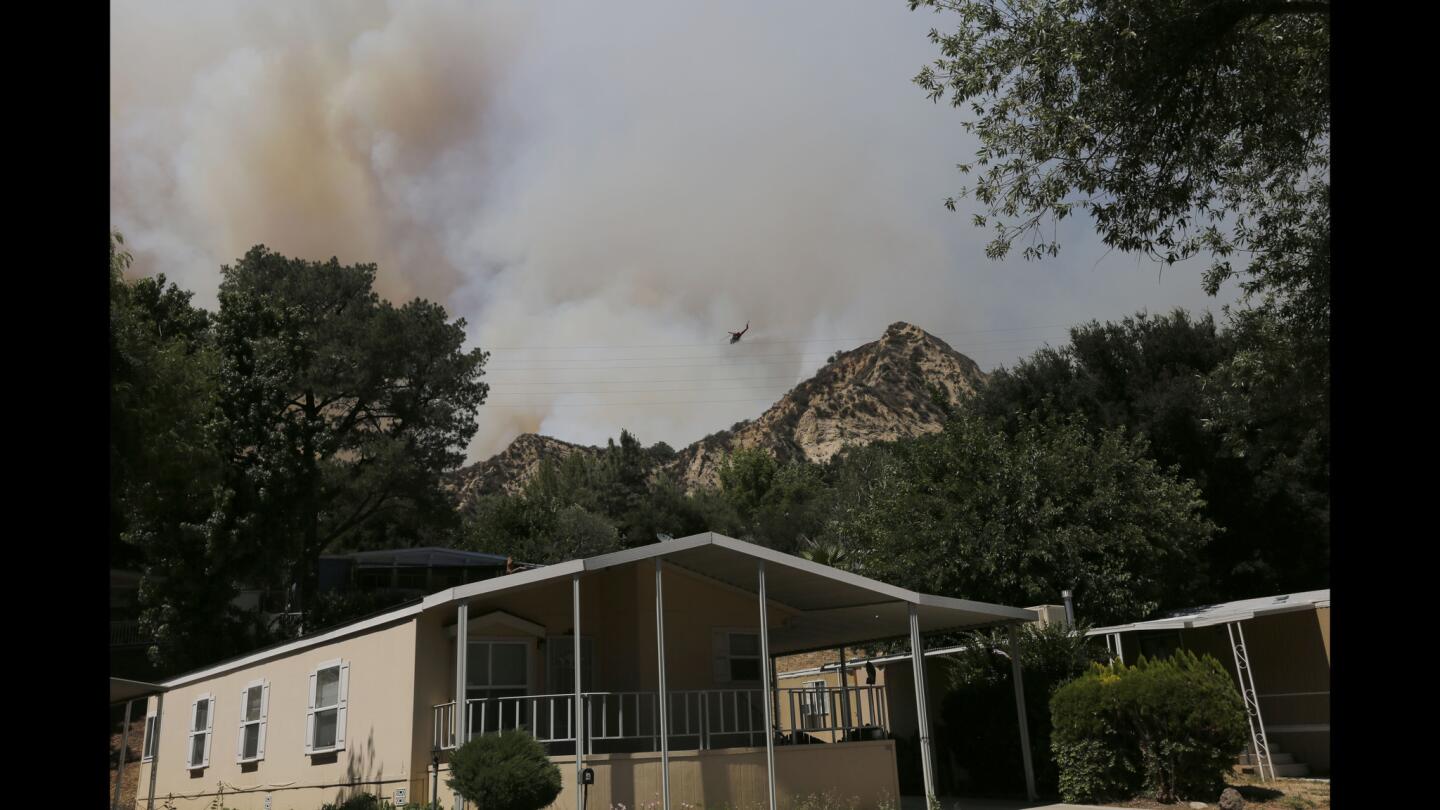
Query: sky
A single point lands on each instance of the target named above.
(601, 190)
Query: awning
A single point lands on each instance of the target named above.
(123, 689)
(1225, 612)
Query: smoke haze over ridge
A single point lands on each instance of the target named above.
(633, 176)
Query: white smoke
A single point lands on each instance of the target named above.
(625, 181)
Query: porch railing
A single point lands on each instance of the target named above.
(127, 634)
(709, 718)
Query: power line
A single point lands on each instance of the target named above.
(719, 341)
(720, 359)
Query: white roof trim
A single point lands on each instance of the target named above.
(295, 646)
(1227, 612)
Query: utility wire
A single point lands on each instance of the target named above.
(867, 339)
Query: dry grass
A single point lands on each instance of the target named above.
(1279, 794)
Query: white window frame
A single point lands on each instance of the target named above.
(152, 732)
(209, 731)
(262, 721)
(814, 705)
(340, 707)
(526, 687)
(724, 654)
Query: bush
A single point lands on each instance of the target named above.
(1170, 727)
(504, 772)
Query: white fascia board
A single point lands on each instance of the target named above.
(518, 579)
(1114, 628)
(645, 552)
(1211, 621)
(791, 561)
(297, 645)
(951, 603)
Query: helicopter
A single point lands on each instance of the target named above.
(735, 336)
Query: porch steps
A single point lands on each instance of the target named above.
(1285, 764)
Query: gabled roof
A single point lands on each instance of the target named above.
(1206, 615)
(828, 606)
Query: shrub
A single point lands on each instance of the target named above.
(504, 772)
(1171, 727)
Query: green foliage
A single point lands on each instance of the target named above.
(303, 414)
(338, 410)
(1186, 387)
(541, 530)
(1016, 517)
(978, 723)
(504, 772)
(1171, 727)
(1156, 118)
(746, 476)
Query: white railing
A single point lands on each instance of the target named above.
(707, 717)
(830, 713)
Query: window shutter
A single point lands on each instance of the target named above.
(264, 718)
(344, 702)
(190, 736)
(240, 740)
(310, 718)
(209, 728)
(720, 647)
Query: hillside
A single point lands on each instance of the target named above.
(880, 391)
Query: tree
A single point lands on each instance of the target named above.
(978, 513)
(338, 410)
(1159, 378)
(1182, 127)
(1157, 118)
(167, 480)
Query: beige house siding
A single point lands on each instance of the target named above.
(379, 718)
(735, 777)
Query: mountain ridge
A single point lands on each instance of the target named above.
(879, 391)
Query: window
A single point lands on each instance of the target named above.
(254, 709)
(1159, 645)
(152, 731)
(560, 669)
(494, 670)
(202, 723)
(814, 705)
(325, 720)
(737, 655)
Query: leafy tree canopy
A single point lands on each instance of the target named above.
(1157, 118)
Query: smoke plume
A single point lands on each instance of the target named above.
(602, 190)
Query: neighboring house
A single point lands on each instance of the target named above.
(827, 690)
(128, 643)
(403, 573)
(410, 571)
(1278, 650)
(676, 643)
